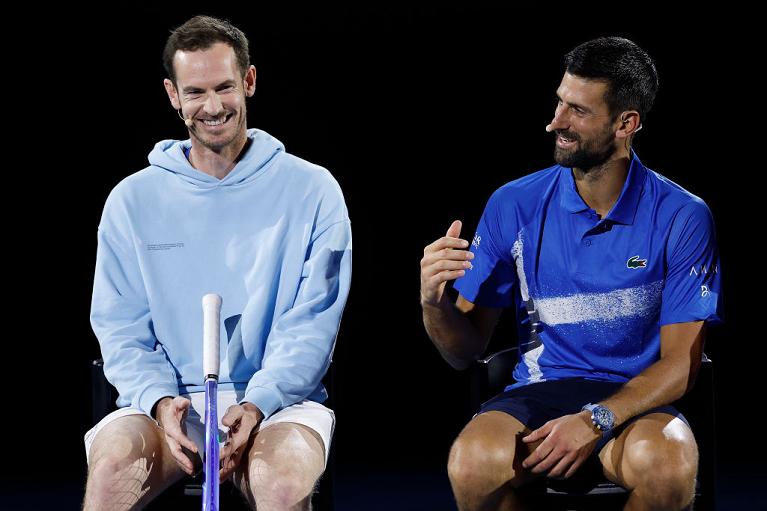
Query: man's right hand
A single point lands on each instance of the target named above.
(170, 413)
(443, 260)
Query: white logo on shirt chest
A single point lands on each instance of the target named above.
(164, 246)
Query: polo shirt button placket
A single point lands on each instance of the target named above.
(587, 242)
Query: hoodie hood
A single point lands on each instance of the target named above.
(263, 151)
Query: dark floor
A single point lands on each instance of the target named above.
(369, 491)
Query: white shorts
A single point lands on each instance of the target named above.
(318, 418)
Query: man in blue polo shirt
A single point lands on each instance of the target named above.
(613, 272)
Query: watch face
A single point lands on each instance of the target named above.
(603, 417)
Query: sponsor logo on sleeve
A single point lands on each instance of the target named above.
(703, 270)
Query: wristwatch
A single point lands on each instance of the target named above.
(601, 416)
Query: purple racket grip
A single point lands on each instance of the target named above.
(211, 462)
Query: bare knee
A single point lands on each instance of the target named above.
(124, 463)
(118, 482)
(283, 477)
(482, 461)
(279, 486)
(280, 489)
(665, 477)
(115, 450)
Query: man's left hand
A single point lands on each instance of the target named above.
(242, 420)
(568, 442)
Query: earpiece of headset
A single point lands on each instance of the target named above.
(624, 121)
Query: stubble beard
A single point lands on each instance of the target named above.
(586, 156)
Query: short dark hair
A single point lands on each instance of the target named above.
(202, 32)
(632, 81)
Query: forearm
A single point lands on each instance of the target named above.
(141, 378)
(660, 384)
(666, 380)
(290, 374)
(451, 331)
(302, 339)
(133, 361)
(121, 320)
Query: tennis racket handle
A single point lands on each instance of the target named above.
(211, 327)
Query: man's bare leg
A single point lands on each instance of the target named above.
(284, 463)
(485, 464)
(130, 464)
(656, 458)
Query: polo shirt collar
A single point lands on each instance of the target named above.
(625, 207)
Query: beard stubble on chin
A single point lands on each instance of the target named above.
(587, 156)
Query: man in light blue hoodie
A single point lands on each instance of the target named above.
(227, 211)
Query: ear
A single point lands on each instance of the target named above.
(170, 89)
(250, 81)
(628, 123)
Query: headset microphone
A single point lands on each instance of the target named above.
(187, 120)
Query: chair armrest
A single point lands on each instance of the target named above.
(103, 393)
(490, 375)
(498, 356)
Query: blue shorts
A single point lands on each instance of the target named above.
(537, 403)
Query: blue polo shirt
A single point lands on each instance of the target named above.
(591, 294)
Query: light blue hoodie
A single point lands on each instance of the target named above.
(273, 238)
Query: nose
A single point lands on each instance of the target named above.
(212, 104)
(560, 120)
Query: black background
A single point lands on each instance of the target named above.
(420, 113)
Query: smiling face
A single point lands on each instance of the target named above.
(210, 91)
(584, 126)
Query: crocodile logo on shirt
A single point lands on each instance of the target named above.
(635, 263)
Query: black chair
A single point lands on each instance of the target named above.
(187, 493)
(489, 376)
